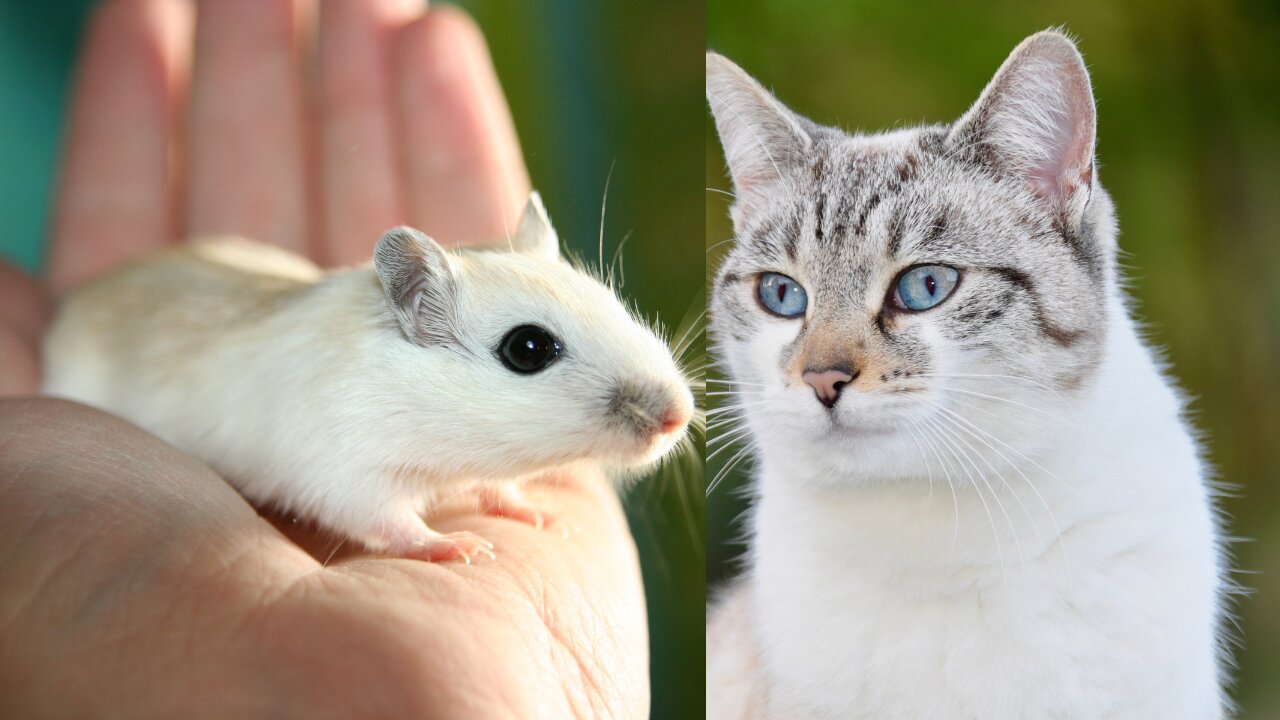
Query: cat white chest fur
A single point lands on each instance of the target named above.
(976, 494)
(872, 603)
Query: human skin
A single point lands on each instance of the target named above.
(136, 582)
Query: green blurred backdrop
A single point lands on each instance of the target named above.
(592, 85)
(1189, 147)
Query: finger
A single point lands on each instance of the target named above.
(464, 172)
(361, 188)
(24, 312)
(19, 358)
(23, 305)
(114, 199)
(247, 141)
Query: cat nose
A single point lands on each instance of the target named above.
(828, 383)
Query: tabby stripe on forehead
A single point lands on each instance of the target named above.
(895, 229)
(908, 167)
(1057, 333)
(767, 232)
(859, 225)
(938, 230)
(819, 216)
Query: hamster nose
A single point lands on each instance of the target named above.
(828, 383)
(674, 419)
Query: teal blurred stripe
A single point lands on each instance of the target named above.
(37, 42)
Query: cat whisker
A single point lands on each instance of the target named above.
(992, 376)
(946, 472)
(729, 443)
(718, 244)
(1003, 480)
(946, 437)
(726, 381)
(1012, 449)
(1048, 510)
(927, 467)
(733, 393)
(732, 423)
(734, 407)
(1015, 403)
(728, 467)
(724, 422)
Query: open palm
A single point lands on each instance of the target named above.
(135, 578)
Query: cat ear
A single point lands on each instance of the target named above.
(417, 281)
(762, 139)
(1036, 120)
(534, 235)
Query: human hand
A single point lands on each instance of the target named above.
(134, 577)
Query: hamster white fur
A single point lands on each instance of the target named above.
(357, 397)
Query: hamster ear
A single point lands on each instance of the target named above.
(1036, 121)
(417, 280)
(534, 235)
(762, 139)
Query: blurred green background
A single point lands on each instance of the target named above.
(1189, 147)
(592, 85)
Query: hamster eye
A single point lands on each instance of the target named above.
(924, 286)
(529, 349)
(781, 295)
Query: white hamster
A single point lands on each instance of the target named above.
(356, 398)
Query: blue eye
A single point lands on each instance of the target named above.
(921, 288)
(782, 296)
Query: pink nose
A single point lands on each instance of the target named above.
(675, 418)
(827, 384)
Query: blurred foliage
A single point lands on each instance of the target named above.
(1189, 147)
(601, 92)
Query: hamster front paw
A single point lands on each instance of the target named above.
(439, 547)
(406, 535)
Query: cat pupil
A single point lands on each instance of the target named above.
(782, 292)
(931, 285)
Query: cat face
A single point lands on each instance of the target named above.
(940, 286)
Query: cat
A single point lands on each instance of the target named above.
(976, 494)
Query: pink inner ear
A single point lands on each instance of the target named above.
(1067, 165)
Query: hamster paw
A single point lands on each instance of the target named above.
(508, 501)
(441, 548)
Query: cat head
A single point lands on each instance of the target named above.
(945, 283)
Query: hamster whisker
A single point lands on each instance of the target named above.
(604, 201)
